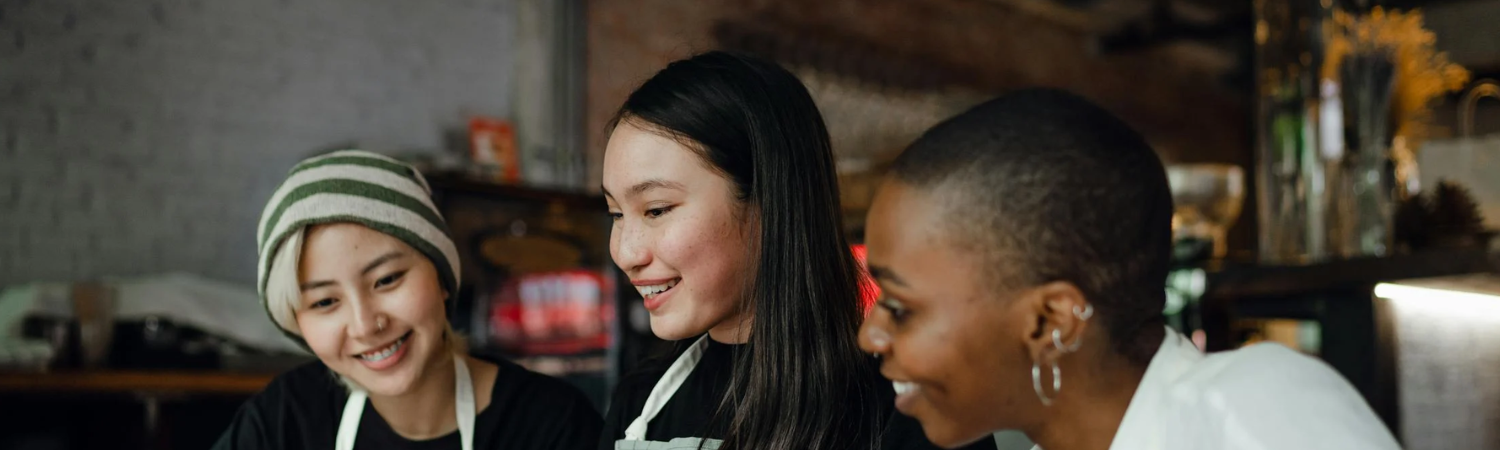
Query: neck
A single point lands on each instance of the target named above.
(735, 330)
(1088, 416)
(427, 410)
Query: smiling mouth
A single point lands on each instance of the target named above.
(387, 351)
(648, 292)
(903, 387)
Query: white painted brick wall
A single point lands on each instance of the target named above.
(141, 137)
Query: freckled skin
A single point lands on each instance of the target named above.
(691, 229)
(337, 330)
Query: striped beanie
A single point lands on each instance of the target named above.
(356, 186)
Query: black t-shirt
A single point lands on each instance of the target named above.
(689, 412)
(301, 409)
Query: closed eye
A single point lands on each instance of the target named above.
(389, 279)
(897, 311)
(658, 212)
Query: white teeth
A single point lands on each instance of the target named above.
(903, 387)
(382, 354)
(651, 291)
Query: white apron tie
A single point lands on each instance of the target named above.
(463, 394)
(635, 434)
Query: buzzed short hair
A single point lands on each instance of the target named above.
(1045, 186)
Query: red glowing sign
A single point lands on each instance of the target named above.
(868, 290)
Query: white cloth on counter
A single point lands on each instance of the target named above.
(226, 310)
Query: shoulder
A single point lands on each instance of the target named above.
(284, 414)
(1266, 366)
(532, 410)
(643, 378)
(521, 385)
(633, 387)
(1271, 394)
(306, 385)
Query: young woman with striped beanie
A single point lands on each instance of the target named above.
(357, 266)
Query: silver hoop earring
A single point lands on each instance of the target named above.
(1057, 341)
(1036, 382)
(1084, 313)
(1056, 379)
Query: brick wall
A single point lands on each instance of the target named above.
(629, 40)
(144, 137)
(1181, 107)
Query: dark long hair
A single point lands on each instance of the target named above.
(802, 383)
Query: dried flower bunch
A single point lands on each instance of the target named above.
(1422, 73)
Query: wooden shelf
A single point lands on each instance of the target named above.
(1272, 281)
(460, 183)
(186, 382)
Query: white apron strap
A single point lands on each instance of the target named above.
(463, 395)
(349, 423)
(463, 405)
(664, 388)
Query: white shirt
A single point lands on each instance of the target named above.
(1264, 396)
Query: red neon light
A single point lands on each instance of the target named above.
(868, 290)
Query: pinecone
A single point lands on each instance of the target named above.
(1455, 211)
(1413, 227)
(1454, 218)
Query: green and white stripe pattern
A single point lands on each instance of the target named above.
(360, 187)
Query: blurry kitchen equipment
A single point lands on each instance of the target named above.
(1468, 160)
(25, 355)
(1362, 189)
(539, 288)
(552, 313)
(520, 247)
(1289, 47)
(217, 308)
(60, 334)
(1208, 198)
(156, 342)
(94, 308)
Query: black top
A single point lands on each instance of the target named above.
(301, 409)
(689, 411)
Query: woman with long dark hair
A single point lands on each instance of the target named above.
(721, 182)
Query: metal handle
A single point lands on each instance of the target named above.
(1484, 88)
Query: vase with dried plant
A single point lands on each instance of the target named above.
(1344, 104)
(1421, 75)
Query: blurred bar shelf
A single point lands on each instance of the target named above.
(1357, 336)
(455, 182)
(125, 382)
(1249, 281)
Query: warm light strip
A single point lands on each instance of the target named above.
(1455, 301)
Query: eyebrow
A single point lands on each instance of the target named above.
(315, 284)
(648, 185)
(388, 257)
(883, 273)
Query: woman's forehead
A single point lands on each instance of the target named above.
(639, 161)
